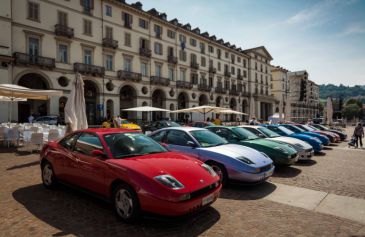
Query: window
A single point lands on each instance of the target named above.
(238, 59)
(158, 69)
(33, 11)
(244, 74)
(62, 18)
(233, 70)
(158, 137)
(158, 31)
(33, 46)
(62, 53)
(108, 32)
(238, 71)
(182, 38)
(127, 19)
(87, 27)
(193, 58)
(144, 44)
(210, 81)
(109, 62)
(127, 64)
(203, 62)
(144, 69)
(211, 49)
(182, 55)
(171, 34)
(219, 54)
(178, 138)
(171, 73)
(143, 23)
(192, 42)
(232, 58)
(69, 141)
(202, 48)
(170, 51)
(108, 10)
(158, 48)
(127, 39)
(244, 63)
(88, 5)
(88, 56)
(226, 54)
(86, 143)
(182, 75)
(219, 66)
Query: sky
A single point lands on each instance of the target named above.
(326, 38)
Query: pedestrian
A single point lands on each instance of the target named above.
(30, 118)
(359, 134)
(208, 119)
(253, 121)
(119, 121)
(217, 120)
(106, 123)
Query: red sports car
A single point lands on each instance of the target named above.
(131, 170)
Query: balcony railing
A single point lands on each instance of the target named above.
(212, 70)
(172, 59)
(204, 87)
(220, 90)
(184, 85)
(130, 76)
(145, 52)
(156, 80)
(194, 65)
(63, 30)
(26, 59)
(110, 43)
(89, 69)
(239, 77)
(227, 74)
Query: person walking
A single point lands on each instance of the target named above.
(359, 134)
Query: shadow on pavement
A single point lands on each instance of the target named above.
(33, 163)
(247, 192)
(327, 148)
(16, 151)
(75, 213)
(321, 153)
(305, 163)
(286, 172)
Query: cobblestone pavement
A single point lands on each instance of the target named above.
(27, 209)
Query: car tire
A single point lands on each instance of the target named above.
(48, 176)
(220, 170)
(125, 203)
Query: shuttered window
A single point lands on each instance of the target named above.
(33, 11)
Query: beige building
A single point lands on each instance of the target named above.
(128, 57)
(280, 88)
(304, 96)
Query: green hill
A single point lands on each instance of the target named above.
(341, 91)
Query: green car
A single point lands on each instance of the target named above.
(281, 154)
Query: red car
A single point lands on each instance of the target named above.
(131, 170)
(332, 136)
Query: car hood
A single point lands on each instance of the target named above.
(293, 141)
(236, 151)
(268, 144)
(185, 169)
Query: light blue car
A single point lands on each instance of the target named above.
(230, 161)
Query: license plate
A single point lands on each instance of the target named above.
(208, 199)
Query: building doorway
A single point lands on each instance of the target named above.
(158, 101)
(128, 99)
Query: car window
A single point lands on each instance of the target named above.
(69, 141)
(253, 130)
(86, 143)
(179, 138)
(158, 137)
(278, 130)
(268, 132)
(225, 133)
(207, 138)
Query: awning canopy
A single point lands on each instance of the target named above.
(201, 109)
(15, 91)
(229, 111)
(146, 109)
(11, 99)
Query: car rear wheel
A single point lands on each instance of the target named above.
(220, 170)
(48, 176)
(126, 204)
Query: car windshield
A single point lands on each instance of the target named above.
(207, 138)
(131, 144)
(309, 128)
(285, 130)
(244, 134)
(294, 129)
(268, 132)
(172, 124)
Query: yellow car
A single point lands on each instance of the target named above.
(128, 125)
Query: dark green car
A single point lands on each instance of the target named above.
(281, 154)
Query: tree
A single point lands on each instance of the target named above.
(351, 111)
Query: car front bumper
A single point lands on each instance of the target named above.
(306, 154)
(246, 177)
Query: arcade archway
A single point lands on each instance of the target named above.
(128, 99)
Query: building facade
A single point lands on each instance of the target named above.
(304, 96)
(280, 89)
(128, 57)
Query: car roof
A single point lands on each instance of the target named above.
(106, 130)
(249, 126)
(187, 129)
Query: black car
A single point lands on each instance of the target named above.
(342, 135)
(158, 125)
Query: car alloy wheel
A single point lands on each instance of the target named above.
(220, 170)
(48, 177)
(126, 203)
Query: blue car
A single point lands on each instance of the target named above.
(325, 140)
(283, 131)
(230, 161)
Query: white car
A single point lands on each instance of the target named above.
(305, 151)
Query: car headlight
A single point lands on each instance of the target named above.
(209, 169)
(169, 181)
(245, 160)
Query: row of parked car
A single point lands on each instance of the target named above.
(175, 170)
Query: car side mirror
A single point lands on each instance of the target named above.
(99, 154)
(191, 144)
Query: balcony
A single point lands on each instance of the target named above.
(245, 93)
(26, 59)
(110, 43)
(129, 76)
(204, 87)
(239, 77)
(162, 81)
(227, 74)
(63, 30)
(220, 90)
(172, 59)
(194, 65)
(184, 85)
(145, 52)
(89, 69)
(234, 92)
(212, 70)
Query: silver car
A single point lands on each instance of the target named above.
(305, 151)
(232, 162)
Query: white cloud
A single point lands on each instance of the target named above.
(353, 29)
